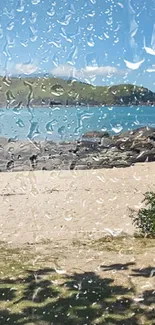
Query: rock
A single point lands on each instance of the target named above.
(10, 165)
(112, 151)
(95, 134)
(34, 161)
(107, 142)
(147, 155)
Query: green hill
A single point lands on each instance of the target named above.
(42, 91)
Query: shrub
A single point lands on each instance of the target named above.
(144, 220)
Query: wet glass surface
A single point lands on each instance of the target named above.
(77, 162)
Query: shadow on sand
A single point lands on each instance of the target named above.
(42, 298)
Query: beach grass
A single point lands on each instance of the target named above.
(127, 244)
(33, 291)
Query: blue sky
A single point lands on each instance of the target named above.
(98, 41)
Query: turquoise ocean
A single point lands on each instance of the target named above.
(70, 123)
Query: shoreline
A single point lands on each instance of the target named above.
(96, 150)
(79, 106)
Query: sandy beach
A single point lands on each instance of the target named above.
(69, 205)
(56, 257)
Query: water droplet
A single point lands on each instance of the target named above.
(20, 6)
(136, 122)
(57, 90)
(10, 149)
(1, 31)
(10, 26)
(48, 215)
(91, 14)
(25, 43)
(33, 18)
(17, 108)
(1, 112)
(116, 40)
(10, 14)
(49, 127)
(59, 270)
(9, 97)
(55, 60)
(133, 65)
(43, 87)
(120, 4)
(90, 27)
(72, 56)
(51, 12)
(73, 94)
(7, 81)
(77, 131)
(20, 123)
(61, 130)
(55, 109)
(23, 20)
(68, 217)
(86, 116)
(90, 41)
(45, 59)
(35, 2)
(65, 20)
(33, 34)
(56, 43)
(106, 35)
(137, 178)
(117, 128)
(34, 130)
(66, 36)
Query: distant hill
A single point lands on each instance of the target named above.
(44, 90)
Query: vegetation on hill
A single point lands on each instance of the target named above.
(43, 90)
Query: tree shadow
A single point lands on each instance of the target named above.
(149, 297)
(117, 267)
(89, 297)
(144, 272)
(77, 299)
(7, 294)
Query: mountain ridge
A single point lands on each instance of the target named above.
(49, 90)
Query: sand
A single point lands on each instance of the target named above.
(71, 205)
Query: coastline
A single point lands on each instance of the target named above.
(70, 191)
(2, 106)
(95, 150)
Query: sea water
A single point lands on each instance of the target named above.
(70, 123)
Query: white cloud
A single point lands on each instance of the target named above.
(101, 71)
(89, 71)
(64, 71)
(25, 68)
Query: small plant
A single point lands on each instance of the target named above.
(144, 220)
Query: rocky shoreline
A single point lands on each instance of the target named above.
(95, 150)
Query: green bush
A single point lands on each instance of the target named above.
(144, 220)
